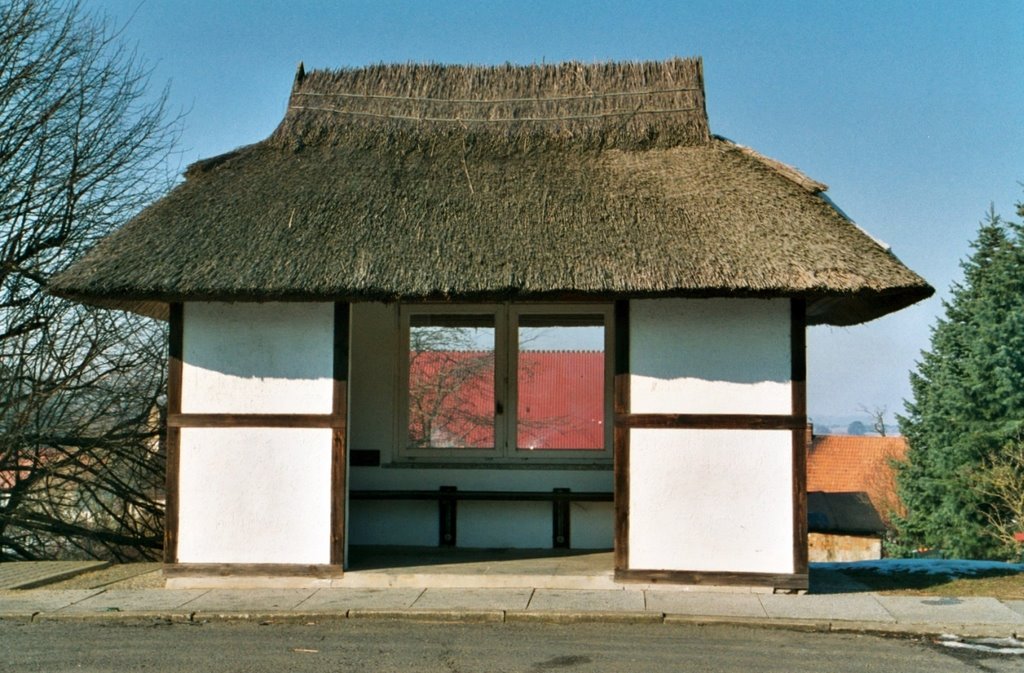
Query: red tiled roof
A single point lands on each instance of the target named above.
(852, 464)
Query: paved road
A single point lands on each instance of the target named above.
(369, 645)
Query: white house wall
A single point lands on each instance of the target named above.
(273, 358)
(373, 380)
(256, 494)
(710, 500)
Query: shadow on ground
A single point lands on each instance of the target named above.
(380, 558)
(824, 580)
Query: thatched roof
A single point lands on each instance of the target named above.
(533, 182)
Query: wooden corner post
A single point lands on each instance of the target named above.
(173, 433)
(798, 361)
(339, 432)
(621, 410)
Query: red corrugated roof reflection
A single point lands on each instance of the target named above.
(561, 399)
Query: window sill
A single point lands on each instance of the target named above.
(496, 465)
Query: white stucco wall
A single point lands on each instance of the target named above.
(592, 525)
(392, 522)
(710, 356)
(497, 525)
(711, 500)
(373, 377)
(373, 426)
(258, 358)
(254, 495)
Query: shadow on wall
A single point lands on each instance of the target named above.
(740, 341)
(727, 340)
(292, 341)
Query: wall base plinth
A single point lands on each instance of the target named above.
(249, 575)
(772, 581)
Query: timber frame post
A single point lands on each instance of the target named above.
(798, 364)
(621, 410)
(173, 436)
(339, 434)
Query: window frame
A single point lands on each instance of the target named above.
(506, 357)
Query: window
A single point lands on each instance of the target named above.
(507, 383)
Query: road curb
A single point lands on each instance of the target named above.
(17, 616)
(578, 617)
(115, 616)
(923, 629)
(807, 625)
(425, 615)
(268, 617)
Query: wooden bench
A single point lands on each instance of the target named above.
(448, 497)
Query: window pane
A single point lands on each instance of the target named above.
(451, 381)
(560, 374)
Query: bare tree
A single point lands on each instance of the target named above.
(1000, 481)
(82, 148)
(877, 415)
(451, 389)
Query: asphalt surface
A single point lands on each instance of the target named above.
(369, 646)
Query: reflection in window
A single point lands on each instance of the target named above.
(451, 381)
(560, 382)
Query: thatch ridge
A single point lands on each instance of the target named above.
(347, 207)
(618, 104)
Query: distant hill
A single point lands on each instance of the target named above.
(847, 425)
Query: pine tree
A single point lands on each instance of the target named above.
(968, 401)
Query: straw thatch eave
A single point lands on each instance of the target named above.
(594, 201)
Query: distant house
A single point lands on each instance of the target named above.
(497, 210)
(851, 494)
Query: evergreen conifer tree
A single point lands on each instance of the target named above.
(968, 401)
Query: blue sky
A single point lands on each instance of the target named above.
(912, 112)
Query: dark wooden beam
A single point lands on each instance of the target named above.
(561, 521)
(798, 356)
(339, 435)
(318, 571)
(447, 517)
(798, 361)
(712, 421)
(173, 436)
(364, 457)
(620, 442)
(179, 420)
(557, 495)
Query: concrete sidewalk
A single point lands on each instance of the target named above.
(862, 612)
(571, 589)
